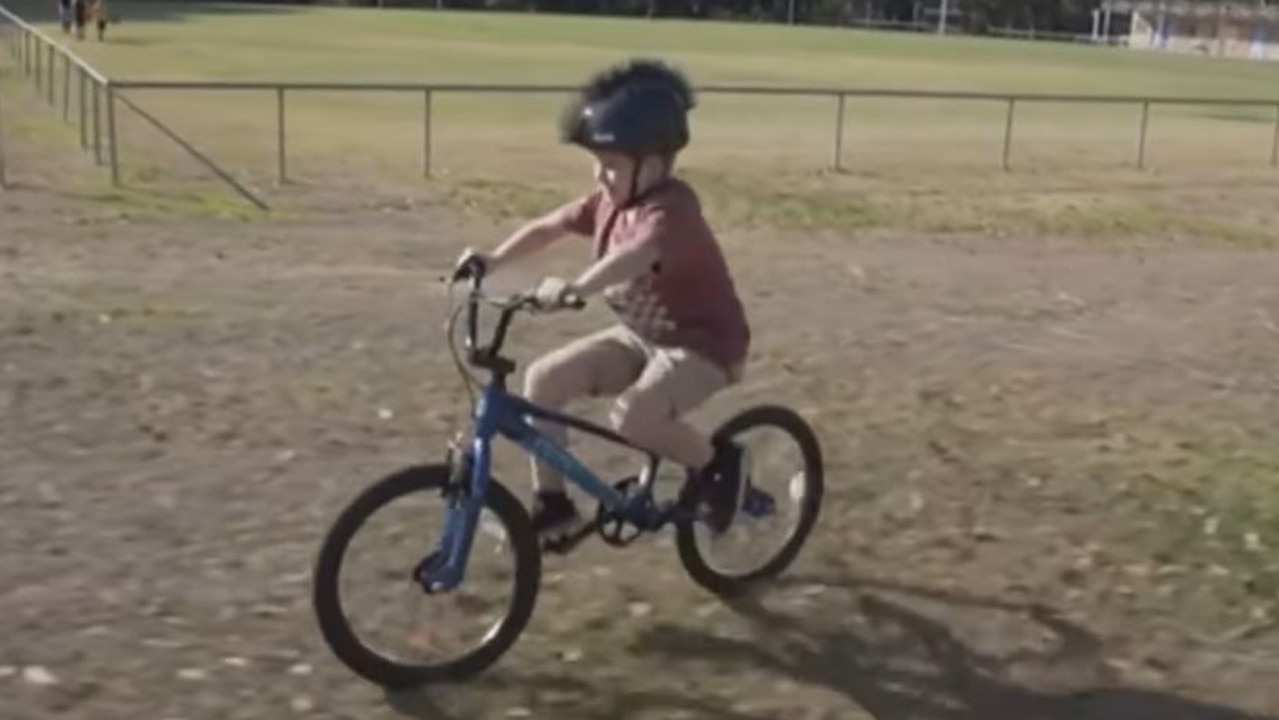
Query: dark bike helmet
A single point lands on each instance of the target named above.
(638, 107)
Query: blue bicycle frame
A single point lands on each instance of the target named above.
(500, 412)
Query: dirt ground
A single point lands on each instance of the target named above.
(1018, 433)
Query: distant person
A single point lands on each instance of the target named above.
(98, 13)
(64, 15)
(79, 10)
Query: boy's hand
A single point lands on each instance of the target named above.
(554, 293)
(471, 264)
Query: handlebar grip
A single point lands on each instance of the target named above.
(471, 268)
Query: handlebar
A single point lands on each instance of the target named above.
(489, 356)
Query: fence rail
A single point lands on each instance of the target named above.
(428, 91)
(37, 55)
(883, 93)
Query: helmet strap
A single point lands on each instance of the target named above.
(634, 195)
(632, 190)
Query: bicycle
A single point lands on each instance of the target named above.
(626, 509)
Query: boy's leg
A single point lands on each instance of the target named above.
(601, 363)
(649, 414)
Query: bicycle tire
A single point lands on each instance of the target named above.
(690, 555)
(370, 665)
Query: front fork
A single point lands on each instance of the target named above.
(445, 567)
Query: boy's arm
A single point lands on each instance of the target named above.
(655, 228)
(532, 237)
(577, 217)
(615, 268)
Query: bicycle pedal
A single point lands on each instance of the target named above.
(565, 543)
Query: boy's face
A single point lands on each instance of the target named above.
(615, 172)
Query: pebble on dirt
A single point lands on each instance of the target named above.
(37, 675)
(986, 534)
(1252, 541)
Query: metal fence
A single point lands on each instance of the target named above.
(51, 66)
(838, 97)
(59, 75)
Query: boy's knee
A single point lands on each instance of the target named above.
(636, 414)
(546, 381)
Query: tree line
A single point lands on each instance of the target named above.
(963, 16)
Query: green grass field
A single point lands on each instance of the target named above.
(761, 156)
(229, 42)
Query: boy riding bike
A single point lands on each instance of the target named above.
(682, 333)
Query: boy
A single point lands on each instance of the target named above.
(682, 334)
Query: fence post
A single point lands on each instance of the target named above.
(84, 115)
(112, 138)
(1274, 142)
(37, 59)
(837, 151)
(281, 173)
(1008, 131)
(97, 123)
(51, 72)
(66, 88)
(4, 178)
(426, 133)
(1141, 135)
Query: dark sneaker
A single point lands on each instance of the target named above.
(554, 514)
(728, 478)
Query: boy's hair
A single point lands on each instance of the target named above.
(639, 71)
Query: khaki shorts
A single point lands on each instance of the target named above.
(651, 382)
(654, 386)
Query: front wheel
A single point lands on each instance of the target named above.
(779, 504)
(393, 582)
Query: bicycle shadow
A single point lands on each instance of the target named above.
(905, 665)
(581, 699)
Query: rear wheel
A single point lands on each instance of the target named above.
(357, 641)
(778, 508)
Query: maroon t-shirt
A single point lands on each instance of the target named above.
(688, 299)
